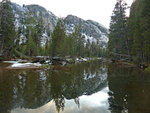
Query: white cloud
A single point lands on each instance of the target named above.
(98, 10)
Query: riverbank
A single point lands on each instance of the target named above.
(129, 64)
(45, 62)
(121, 63)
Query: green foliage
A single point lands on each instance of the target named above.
(24, 49)
(131, 28)
(118, 41)
(20, 55)
(57, 40)
(31, 47)
(7, 30)
(77, 42)
(39, 30)
(148, 69)
(72, 45)
(139, 31)
(26, 40)
(132, 35)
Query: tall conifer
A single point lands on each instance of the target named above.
(7, 29)
(118, 42)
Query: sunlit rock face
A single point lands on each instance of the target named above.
(90, 30)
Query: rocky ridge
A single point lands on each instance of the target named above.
(91, 30)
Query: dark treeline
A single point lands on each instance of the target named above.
(26, 39)
(130, 35)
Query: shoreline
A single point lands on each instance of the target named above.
(143, 67)
(31, 64)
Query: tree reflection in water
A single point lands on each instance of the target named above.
(32, 89)
(129, 90)
(72, 82)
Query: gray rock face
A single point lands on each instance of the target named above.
(89, 27)
(91, 30)
(48, 17)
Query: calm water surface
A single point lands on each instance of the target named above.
(82, 88)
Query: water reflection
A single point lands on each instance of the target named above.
(25, 90)
(129, 90)
(81, 88)
(96, 103)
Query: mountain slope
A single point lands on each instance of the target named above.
(91, 30)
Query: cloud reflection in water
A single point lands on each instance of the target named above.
(95, 103)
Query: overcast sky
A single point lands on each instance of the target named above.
(97, 10)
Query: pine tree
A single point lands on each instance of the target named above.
(32, 49)
(87, 49)
(79, 41)
(57, 40)
(118, 41)
(17, 40)
(131, 26)
(7, 29)
(139, 30)
(48, 29)
(39, 30)
(67, 46)
(145, 28)
(31, 45)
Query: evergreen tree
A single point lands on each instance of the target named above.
(31, 45)
(39, 30)
(46, 48)
(118, 41)
(87, 49)
(79, 41)
(17, 40)
(139, 30)
(48, 29)
(32, 49)
(145, 28)
(138, 39)
(7, 29)
(131, 26)
(57, 40)
(68, 46)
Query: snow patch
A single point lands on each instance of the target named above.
(44, 38)
(12, 62)
(16, 64)
(90, 38)
(25, 64)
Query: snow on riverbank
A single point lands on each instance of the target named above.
(24, 64)
(18, 64)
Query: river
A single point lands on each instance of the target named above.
(81, 88)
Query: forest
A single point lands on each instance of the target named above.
(127, 35)
(71, 69)
(131, 35)
(25, 41)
